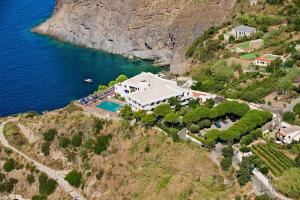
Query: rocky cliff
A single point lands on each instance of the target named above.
(159, 30)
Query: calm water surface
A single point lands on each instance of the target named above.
(38, 73)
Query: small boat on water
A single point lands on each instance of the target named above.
(88, 80)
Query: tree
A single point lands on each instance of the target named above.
(161, 110)
(102, 88)
(148, 120)
(296, 109)
(289, 117)
(172, 118)
(126, 112)
(174, 101)
(139, 114)
(9, 165)
(194, 128)
(74, 178)
(121, 78)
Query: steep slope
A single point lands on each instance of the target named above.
(159, 30)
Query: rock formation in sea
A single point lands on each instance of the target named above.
(159, 30)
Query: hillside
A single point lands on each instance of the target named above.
(158, 30)
(116, 161)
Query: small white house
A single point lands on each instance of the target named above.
(146, 91)
(288, 133)
(242, 31)
(267, 59)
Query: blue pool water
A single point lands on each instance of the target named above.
(38, 73)
(110, 106)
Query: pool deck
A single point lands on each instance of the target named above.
(101, 113)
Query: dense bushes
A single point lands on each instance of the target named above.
(226, 162)
(74, 178)
(46, 185)
(252, 120)
(225, 108)
(289, 117)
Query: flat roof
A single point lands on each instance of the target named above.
(245, 29)
(158, 88)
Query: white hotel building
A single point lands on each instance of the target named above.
(146, 91)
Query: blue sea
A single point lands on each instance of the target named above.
(38, 73)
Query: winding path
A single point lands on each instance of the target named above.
(54, 174)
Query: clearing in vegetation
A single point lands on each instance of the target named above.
(250, 56)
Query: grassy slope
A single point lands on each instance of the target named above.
(139, 164)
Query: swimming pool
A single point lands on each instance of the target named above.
(110, 106)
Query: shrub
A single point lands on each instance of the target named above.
(227, 151)
(9, 165)
(289, 117)
(64, 142)
(102, 143)
(76, 140)
(74, 178)
(49, 135)
(46, 148)
(194, 128)
(126, 112)
(226, 163)
(8, 186)
(30, 178)
(98, 124)
(148, 120)
(46, 185)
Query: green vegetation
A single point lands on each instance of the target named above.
(76, 139)
(74, 178)
(102, 143)
(8, 185)
(288, 183)
(9, 165)
(30, 179)
(14, 135)
(49, 135)
(289, 117)
(275, 160)
(249, 56)
(46, 185)
(226, 162)
(64, 142)
(46, 148)
(119, 79)
(252, 120)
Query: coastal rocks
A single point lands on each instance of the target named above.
(158, 30)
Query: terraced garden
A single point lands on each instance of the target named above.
(275, 160)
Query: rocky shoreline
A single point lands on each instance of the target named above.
(157, 30)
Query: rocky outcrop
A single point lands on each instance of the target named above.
(158, 30)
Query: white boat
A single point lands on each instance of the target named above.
(88, 80)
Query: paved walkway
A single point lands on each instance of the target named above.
(54, 174)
